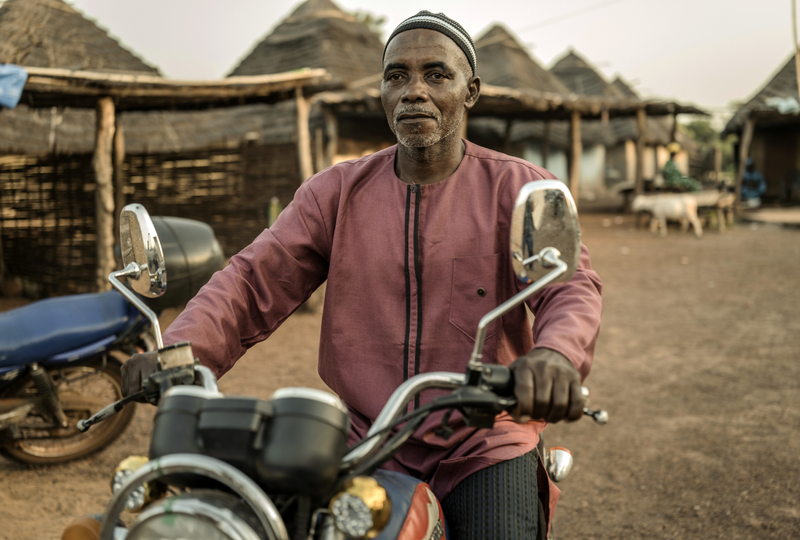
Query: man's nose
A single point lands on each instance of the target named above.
(415, 90)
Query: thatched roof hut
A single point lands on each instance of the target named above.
(577, 74)
(768, 125)
(624, 88)
(51, 33)
(504, 61)
(212, 165)
(777, 101)
(317, 34)
(581, 77)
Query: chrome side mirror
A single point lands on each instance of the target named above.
(139, 244)
(545, 247)
(144, 262)
(545, 216)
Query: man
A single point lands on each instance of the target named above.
(413, 242)
(673, 177)
(753, 184)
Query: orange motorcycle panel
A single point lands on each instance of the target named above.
(425, 519)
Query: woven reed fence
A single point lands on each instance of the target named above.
(47, 220)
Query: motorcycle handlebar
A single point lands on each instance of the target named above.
(496, 379)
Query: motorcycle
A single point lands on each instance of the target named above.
(60, 358)
(240, 468)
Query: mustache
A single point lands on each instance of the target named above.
(417, 109)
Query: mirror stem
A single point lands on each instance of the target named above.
(134, 270)
(548, 255)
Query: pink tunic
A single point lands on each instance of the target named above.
(404, 266)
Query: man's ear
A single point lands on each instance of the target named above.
(473, 92)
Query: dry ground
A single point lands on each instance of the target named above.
(697, 364)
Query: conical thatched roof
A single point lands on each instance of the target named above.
(624, 88)
(503, 61)
(50, 33)
(582, 78)
(318, 34)
(779, 95)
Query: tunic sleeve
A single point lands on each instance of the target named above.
(567, 315)
(263, 284)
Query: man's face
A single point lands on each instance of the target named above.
(425, 87)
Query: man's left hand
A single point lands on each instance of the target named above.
(547, 387)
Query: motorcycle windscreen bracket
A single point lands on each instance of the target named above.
(545, 238)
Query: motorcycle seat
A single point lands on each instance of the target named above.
(43, 329)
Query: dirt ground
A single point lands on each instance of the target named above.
(698, 365)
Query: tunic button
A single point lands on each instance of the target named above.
(481, 291)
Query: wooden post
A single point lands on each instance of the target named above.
(575, 154)
(464, 127)
(744, 151)
(604, 119)
(119, 180)
(655, 161)
(104, 191)
(507, 139)
(717, 163)
(332, 130)
(674, 131)
(303, 136)
(641, 123)
(546, 143)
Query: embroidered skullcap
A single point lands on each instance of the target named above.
(441, 23)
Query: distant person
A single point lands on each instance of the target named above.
(673, 177)
(753, 184)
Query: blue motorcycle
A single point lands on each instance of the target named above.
(60, 357)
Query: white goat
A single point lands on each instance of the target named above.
(720, 201)
(672, 206)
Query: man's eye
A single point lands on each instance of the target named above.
(393, 77)
(437, 76)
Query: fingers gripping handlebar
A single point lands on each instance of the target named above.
(500, 381)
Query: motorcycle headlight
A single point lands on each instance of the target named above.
(362, 510)
(189, 516)
(142, 495)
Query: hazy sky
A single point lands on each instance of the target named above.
(708, 52)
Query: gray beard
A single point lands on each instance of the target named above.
(417, 140)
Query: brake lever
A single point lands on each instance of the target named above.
(155, 386)
(106, 413)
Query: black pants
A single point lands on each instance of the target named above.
(499, 502)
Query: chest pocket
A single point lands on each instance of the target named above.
(476, 290)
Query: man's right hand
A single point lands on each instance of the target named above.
(136, 371)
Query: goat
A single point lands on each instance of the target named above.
(672, 206)
(719, 200)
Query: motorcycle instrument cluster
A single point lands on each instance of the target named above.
(292, 443)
